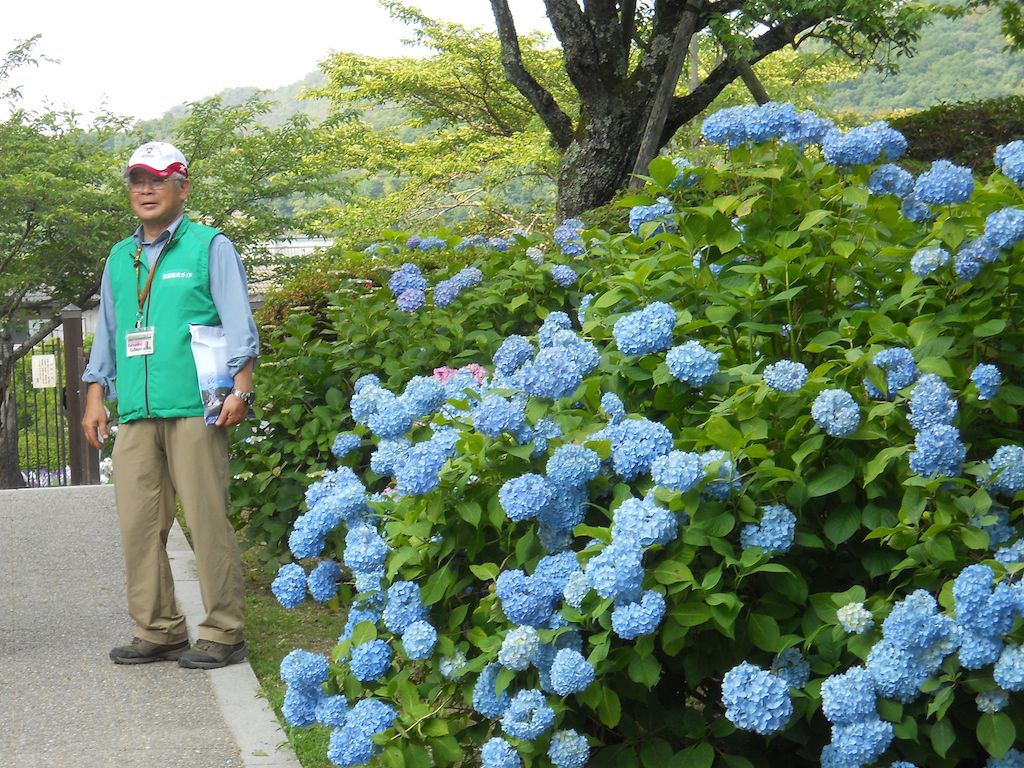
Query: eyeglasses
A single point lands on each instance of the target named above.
(137, 185)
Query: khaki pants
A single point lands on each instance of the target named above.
(155, 460)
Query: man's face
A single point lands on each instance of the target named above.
(157, 202)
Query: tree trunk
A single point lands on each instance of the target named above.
(10, 471)
(598, 162)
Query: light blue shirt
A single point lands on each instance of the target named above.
(230, 294)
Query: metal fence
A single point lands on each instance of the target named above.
(38, 387)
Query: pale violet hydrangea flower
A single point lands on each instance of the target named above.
(927, 260)
(988, 379)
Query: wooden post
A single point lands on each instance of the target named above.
(84, 460)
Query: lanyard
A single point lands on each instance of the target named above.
(143, 294)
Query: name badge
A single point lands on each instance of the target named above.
(139, 342)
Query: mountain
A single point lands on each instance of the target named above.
(956, 60)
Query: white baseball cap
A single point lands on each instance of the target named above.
(159, 158)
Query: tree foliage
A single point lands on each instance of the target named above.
(1011, 16)
(617, 54)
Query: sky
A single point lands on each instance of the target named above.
(138, 60)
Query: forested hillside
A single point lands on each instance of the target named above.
(955, 61)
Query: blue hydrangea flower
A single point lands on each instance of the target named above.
(370, 661)
(555, 570)
(1012, 759)
(369, 581)
(1005, 228)
(496, 414)
(726, 480)
(518, 648)
(890, 179)
(372, 716)
(685, 177)
(552, 374)
(299, 706)
(567, 237)
(727, 126)
(939, 452)
(635, 443)
(914, 210)
(645, 331)
(407, 277)
(365, 550)
(1011, 555)
(289, 586)
(1009, 158)
(332, 711)
(1007, 466)
(357, 614)
(631, 619)
(616, 572)
(563, 275)
(612, 405)
(862, 742)
(418, 470)
(471, 241)
(568, 750)
(528, 715)
(927, 260)
(570, 672)
(848, 697)
(576, 589)
(323, 581)
(446, 292)
(525, 600)
(931, 403)
(418, 640)
(1009, 670)
(692, 364)
(344, 444)
(565, 511)
(524, 496)
(572, 465)
(387, 454)
(536, 255)
(349, 746)
(944, 183)
(512, 354)
(992, 701)
(786, 375)
(855, 618)
(660, 213)
(486, 700)
(999, 531)
(498, 753)
(756, 700)
(403, 606)
(807, 129)
(303, 669)
(988, 379)
(452, 667)
(774, 533)
(423, 396)
(641, 524)
(792, 667)
(581, 353)
(411, 300)
(677, 471)
(973, 256)
(836, 412)
(863, 145)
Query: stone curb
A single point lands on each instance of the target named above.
(261, 741)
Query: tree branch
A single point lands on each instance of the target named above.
(555, 119)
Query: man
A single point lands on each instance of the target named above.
(171, 272)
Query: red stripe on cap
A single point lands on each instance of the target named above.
(170, 169)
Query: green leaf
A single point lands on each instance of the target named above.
(763, 632)
(996, 733)
(673, 572)
(813, 218)
(646, 671)
(831, 480)
(609, 710)
(990, 327)
(486, 571)
(364, 632)
(942, 737)
(842, 523)
(655, 753)
(691, 613)
(724, 434)
(877, 465)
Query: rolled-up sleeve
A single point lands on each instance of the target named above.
(230, 292)
(102, 367)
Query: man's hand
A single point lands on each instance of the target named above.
(94, 421)
(234, 412)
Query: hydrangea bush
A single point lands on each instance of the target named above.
(742, 494)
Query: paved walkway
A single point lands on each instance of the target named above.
(62, 607)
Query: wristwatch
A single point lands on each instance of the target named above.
(247, 397)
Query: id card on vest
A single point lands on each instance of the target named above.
(140, 342)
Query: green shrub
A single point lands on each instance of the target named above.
(965, 133)
(812, 269)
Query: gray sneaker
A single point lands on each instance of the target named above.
(207, 654)
(140, 651)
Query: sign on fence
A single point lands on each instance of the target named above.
(44, 371)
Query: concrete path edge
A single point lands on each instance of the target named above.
(262, 742)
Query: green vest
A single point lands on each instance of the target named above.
(162, 385)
